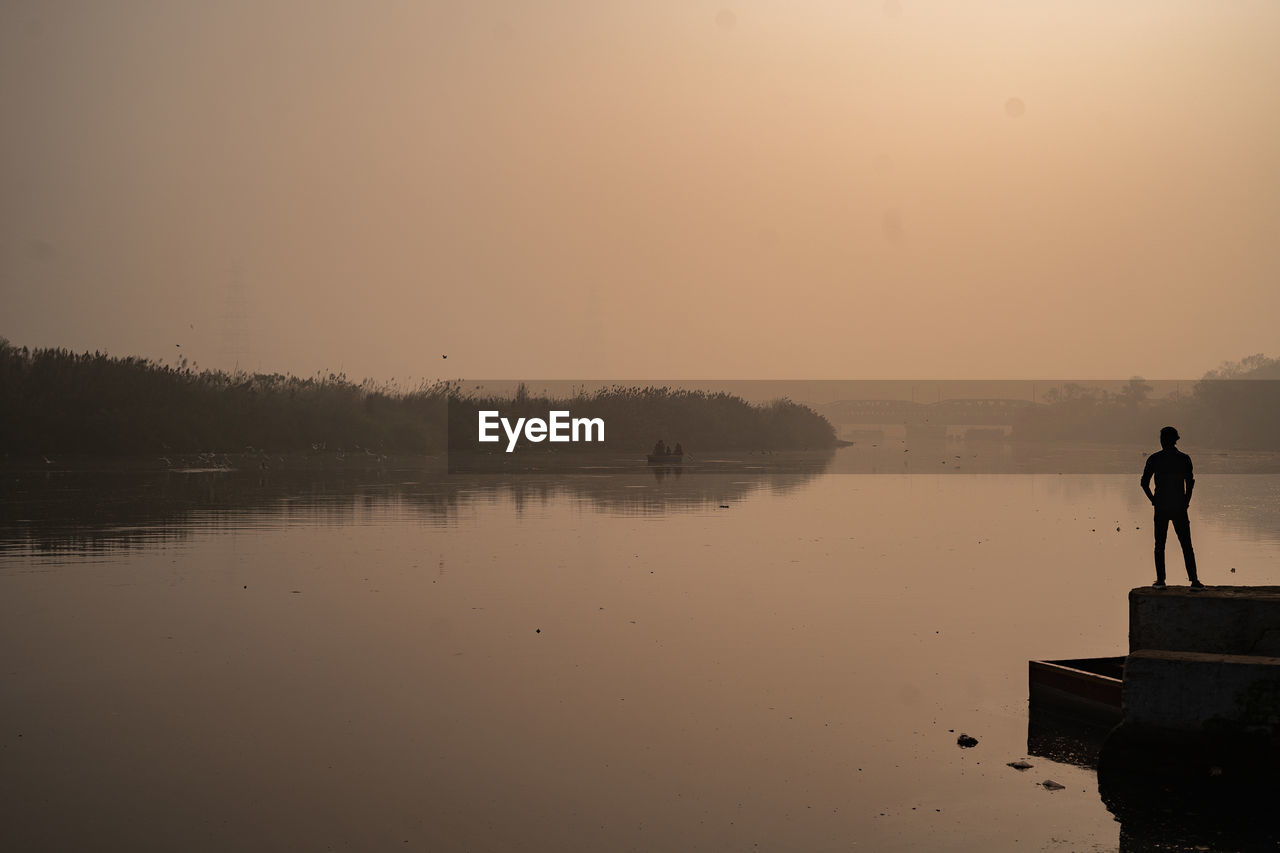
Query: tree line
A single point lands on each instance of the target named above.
(637, 417)
(58, 401)
(54, 401)
(1236, 405)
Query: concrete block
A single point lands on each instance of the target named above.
(1200, 693)
(1232, 620)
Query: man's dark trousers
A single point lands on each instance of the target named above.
(1182, 528)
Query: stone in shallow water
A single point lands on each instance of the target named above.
(1021, 764)
(965, 741)
(1051, 785)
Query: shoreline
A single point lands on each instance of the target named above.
(1010, 457)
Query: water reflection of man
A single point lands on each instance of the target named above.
(1171, 469)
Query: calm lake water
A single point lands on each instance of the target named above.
(724, 659)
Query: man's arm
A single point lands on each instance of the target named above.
(1146, 481)
(1190, 480)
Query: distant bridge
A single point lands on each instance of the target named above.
(958, 412)
(955, 418)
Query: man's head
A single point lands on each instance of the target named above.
(1168, 437)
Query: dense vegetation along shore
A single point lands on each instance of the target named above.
(53, 401)
(635, 417)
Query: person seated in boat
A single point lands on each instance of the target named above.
(679, 451)
(660, 449)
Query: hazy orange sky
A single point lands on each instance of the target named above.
(686, 189)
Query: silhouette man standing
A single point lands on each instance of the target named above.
(1171, 469)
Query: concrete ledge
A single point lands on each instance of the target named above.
(1233, 620)
(1199, 693)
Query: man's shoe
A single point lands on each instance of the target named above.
(1158, 584)
(1197, 585)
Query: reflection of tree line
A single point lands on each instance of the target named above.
(1236, 407)
(1034, 457)
(103, 511)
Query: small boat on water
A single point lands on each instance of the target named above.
(665, 459)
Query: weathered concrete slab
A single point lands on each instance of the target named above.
(1233, 620)
(1202, 693)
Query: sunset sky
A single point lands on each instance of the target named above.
(564, 188)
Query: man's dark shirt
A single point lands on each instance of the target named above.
(1172, 470)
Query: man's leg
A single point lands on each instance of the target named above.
(1182, 527)
(1162, 533)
